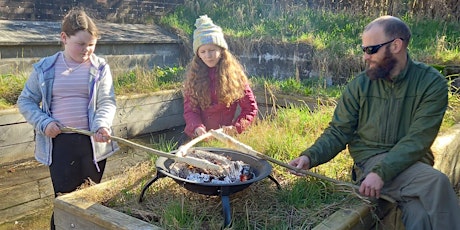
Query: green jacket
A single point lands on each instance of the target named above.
(400, 118)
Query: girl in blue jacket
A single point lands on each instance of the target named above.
(71, 88)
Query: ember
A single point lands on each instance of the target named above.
(238, 168)
(234, 171)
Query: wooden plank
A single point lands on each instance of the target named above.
(17, 152)
(96, 217)
(122, 161)
(65, 220)
(120, 130)
(345, 219)
(45, 187)
(16, 134)
(156, 97)
(148, 111)
(19, 194)
(74, 210)
(154, 125)
(9, 116)
(20, 173)
(26, 209)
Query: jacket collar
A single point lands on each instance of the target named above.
(403, 74)
(46, 63)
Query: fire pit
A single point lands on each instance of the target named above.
(259, 167)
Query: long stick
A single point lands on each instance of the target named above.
(249, 150)
(182, 150)
(200, 163)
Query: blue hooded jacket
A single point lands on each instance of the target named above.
(35, 101)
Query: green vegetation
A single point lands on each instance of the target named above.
(140, 80)
(134, 81)
(10, 88)
(332, 30)
(302, 202)
(334, 33)
(312, 87)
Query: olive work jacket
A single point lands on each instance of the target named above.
(401, 118)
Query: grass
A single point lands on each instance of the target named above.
(141, 80)
(333, 34)
(311, 87)
(38, 221)
(138, 80)
(134, 81)
(10, 88)
(302, 202)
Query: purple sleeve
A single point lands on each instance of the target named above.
(249, 110)
(192, 117)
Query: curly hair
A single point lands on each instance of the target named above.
(231, 81)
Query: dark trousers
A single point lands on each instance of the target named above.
(73, 164)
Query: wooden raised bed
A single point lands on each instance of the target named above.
(76, 211)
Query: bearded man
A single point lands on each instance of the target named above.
(388, 117)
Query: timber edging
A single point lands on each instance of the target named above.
(76, 211)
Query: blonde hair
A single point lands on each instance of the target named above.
(231, 81)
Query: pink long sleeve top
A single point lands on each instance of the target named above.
(217, 114)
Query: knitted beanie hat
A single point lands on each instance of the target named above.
(207, 33)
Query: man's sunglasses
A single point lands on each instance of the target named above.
(374, 49)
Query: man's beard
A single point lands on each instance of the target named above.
(383, 69)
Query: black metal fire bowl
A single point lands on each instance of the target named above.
(260, 167)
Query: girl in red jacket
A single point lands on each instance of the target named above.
(216, 90)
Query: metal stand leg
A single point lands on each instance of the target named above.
(146, 186)
(224, 194)
(227, 211)
(275, 181)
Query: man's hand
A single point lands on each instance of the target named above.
(371, 185)
(302, 162)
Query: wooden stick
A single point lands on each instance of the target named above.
(182, 150)
(248, 150)
(193, 161)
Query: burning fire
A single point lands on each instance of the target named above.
(234, 171)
